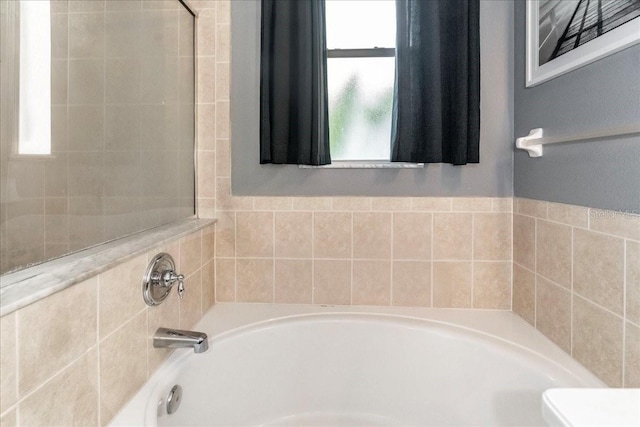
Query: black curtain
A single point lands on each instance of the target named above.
(437, 102)
(294, 117)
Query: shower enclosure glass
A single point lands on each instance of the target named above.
(97, 113)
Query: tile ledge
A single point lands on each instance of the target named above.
(32, 284)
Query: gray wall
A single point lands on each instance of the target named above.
(492, 177)
(604, 94)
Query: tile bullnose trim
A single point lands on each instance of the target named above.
(32, 284)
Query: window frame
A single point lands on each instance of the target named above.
(371, 52)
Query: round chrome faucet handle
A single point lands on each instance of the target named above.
(159, 278)
(169, 278)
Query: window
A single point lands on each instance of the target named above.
(361, 40)
(35, 78)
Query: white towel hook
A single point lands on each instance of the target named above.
(529, 144)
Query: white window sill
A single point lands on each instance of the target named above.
(366, 164)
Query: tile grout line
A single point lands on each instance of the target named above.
(432, 263)
(351, 260)
(98, 364)
(535, 273)
(473, 260)
(235, 256)
(571, 308)
(313, 259)
(17, 368)
(273, 255)
(624, 312)
(392, 260)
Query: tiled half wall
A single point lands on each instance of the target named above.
(440, 252)
(576, 278)
(76, 357)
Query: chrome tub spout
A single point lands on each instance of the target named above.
(174, 338)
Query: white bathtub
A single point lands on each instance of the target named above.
(329, 366)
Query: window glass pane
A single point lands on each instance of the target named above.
(360, 103)
(35, 78)
(360, 24)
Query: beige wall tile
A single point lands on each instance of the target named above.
(206, 32)
(371, 282)
(293, 281)
(255, 280)
(412, 236)
(121, 375)
(293, 234)
(254, 234)
(223, 8)
(524, 293)
(191, 302)
(524, 241)
(224, 200)
(226, 280)
(208, 243)
(597, 341)
(349, 204)
(411, 283)
(8, 361)
(576, 216)
(617, 223)
(536, 208)
(70, 398)
(223, 42)
(9, 419)
(502, 204)
(632, 356)
(272, 203)
(206, 133)
(86, 5)
(206, 173)
(172, 248)
(119, 294)
(633, 282)
(89, 73)
(372, 235)
(598, 269)
(452, 239)
(311, 203)
(86, 35)
(165, 315)
(472, 204)
(226, 234)
(223, 81)
(553, 252)
(331, 282)
(332, 235)
(223, 162)
(190, 254)
(553, 313)
(68, 317)
(206, 70)
(492, 285)
(391, 204)
(492, 236)
(452, 284)
(431, 204)
(208, 285)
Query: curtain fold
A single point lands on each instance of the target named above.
(294, 118)
(436, 112)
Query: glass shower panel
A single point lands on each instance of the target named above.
(122, 130)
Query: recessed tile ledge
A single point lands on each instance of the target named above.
(27, 286)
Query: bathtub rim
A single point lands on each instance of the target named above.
(227, 320)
